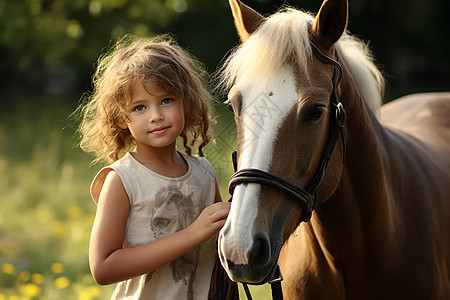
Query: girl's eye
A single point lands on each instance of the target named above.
(139, 108)
(167, 101)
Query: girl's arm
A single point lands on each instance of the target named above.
(111, 263)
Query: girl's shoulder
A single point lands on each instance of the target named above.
(199, 163)
(99, 179)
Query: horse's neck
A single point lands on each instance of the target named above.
(348, 225)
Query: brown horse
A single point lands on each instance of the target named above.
(380, 225)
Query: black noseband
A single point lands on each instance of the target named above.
(261, 177)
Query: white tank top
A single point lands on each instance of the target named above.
(160, 206)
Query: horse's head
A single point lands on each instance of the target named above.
(281, 96)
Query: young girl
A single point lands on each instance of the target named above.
(158, 210)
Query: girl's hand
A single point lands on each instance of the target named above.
(211, 220)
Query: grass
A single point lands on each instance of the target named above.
(46, 212)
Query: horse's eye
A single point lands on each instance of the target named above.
(230, 107)
(315, 113)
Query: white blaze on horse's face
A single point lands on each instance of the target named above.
(263, 104)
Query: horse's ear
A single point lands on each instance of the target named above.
(246, 19)
(330, 22)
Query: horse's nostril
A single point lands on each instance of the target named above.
(230, 264)
(259, 255)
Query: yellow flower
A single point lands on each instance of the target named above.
(84, 295)
(43, 214)
(95, 291)
(90, 292)
(74, 212)
(24, 276)
(2, 297)
(8, 268)
(37, 278)
(31, 290)
(62, 282)
(57, 268)
(59, 230)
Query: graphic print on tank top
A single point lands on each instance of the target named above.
(176, 207)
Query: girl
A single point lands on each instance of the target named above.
(158, 210)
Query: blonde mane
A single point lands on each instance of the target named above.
(283, 38)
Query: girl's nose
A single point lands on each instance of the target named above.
(156, 115)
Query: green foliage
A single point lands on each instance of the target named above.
(51, 46)
(41, 40)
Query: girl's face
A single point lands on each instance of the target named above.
(156, 116)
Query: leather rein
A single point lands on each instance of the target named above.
(306, 197)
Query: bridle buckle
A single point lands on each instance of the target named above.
(279, 278)
(341, 115)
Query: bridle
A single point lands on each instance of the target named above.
(308, 196)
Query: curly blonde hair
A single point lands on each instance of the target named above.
(131, 60)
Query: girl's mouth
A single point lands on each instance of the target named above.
(159, 130)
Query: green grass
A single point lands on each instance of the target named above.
(46, 212)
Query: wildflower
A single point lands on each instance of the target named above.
(90, 292)
(62, 282)
(59, 230)
(95, 291)
(8, 268)
(31, 290)
(74, 212)
(24, 276)
(84, 295)
(43, 214)
(57, 268)
(37, 278)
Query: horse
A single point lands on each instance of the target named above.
(314, 143)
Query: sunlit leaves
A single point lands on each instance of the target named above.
(38, 37)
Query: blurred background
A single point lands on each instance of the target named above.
(48, 50)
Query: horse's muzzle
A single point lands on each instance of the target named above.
(255, 265)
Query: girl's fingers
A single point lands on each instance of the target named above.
(220, 223)
(221, 212)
